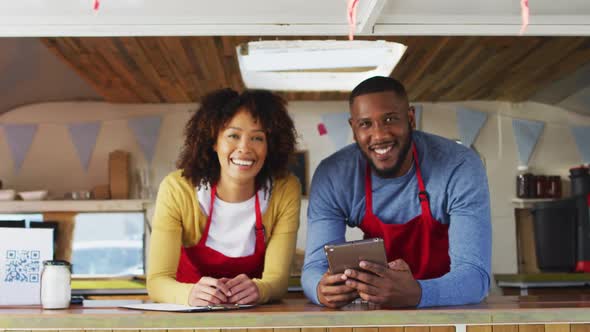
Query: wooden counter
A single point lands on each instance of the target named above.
(547, 314)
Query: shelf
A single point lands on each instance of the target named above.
(527, 203)
(113, 205)
(532, 280)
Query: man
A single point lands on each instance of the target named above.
(425, 195)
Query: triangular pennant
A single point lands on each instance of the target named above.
(470, 123)
(19, 138)
(84, 139)
(418, 116)
(582, 137)
(526, 133)
(338, 128)
(146, 131)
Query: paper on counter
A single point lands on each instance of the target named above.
(184, 308)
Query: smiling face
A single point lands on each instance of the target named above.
(241, 148)
(382, 124)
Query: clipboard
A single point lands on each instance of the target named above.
(170, 307)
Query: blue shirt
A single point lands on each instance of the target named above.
(456, 182)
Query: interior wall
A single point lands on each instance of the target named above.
(31, 73)
(52, 163)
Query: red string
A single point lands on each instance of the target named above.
(524, 13)
(351, 17)
(322, 129)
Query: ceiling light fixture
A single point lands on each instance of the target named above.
(313, 65)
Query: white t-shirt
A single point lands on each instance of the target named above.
(232, 229)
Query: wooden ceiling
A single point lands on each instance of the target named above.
(182, 69)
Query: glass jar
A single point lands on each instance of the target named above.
(524, 182)
(55, 285)
(554, 186)
(541, 186)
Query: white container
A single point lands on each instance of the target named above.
(56, 291)
(37, 195)
(7, 195)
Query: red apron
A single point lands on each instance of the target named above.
(422, 242)
(201, 261)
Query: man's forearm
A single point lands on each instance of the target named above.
(309, 281)
(463, 286)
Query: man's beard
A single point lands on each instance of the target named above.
(392, 171)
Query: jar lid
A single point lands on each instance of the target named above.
(579, 171)
(57, 262)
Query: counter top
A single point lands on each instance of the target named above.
(90, 205)
(301, 313)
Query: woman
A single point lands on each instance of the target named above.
(225, 224)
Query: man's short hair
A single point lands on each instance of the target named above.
(378, 84)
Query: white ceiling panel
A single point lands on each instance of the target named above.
(485, 8)
(37, 18)
(201, 11)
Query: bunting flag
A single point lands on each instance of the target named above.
(582, 136)
(418, 116)
(146, 131)
(19, 138)
(526, 133)
(470, 123)
(84, 138)
(338, 128)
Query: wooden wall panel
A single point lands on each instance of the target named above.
(313, 329)
(557, 328)
(479, 328)
(343, 329)
(251, 330)
(417, 329)
(444, 329)
(183, 69)
(391, 329)
(470, 328)
(580, 327)
(531, 328)
(505, 328)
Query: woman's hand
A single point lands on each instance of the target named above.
(243, 290)
(209, 291)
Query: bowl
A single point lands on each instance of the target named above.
(7, 195)
(37, 195)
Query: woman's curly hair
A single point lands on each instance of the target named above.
(198, 160)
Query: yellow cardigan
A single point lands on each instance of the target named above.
(178, 220)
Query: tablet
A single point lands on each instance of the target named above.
(348, 255)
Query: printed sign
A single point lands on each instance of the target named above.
(22, 252)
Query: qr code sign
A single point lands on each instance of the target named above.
(22, 266)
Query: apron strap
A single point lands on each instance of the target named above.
(259, 229)
(206, 232)
(368, 190)
(258, 212)
(422, 194)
